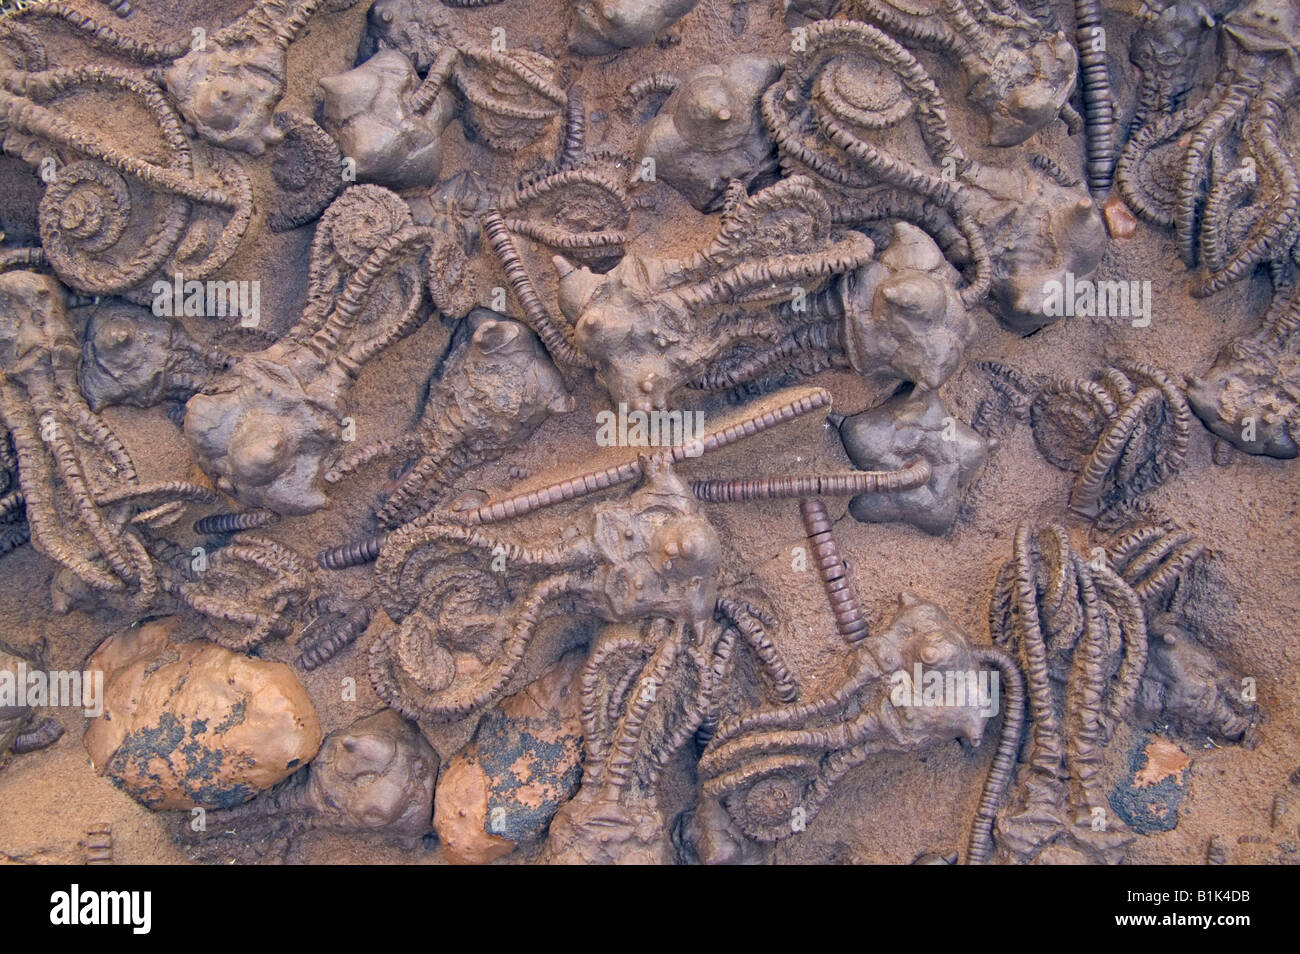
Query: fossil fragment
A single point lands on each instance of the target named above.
(193, 724)
(263, 429)
(229, 86)
(1019, 73)
(1080, 634)
(131, 356)
(709, 132)
(20, 730)
(85, 503)
(1233, 204)
(1251, 396)
(899, 318)
(847, 112)
(250, 591)
(650, 326)
(607, 26)
(1124, 430)
(308, 170)
(911, 425)
(524, 761)
(773, 768)
(508, 98)
(370, 112)
(494, 389)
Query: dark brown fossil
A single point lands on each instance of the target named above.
(847, 112)
(493, 390)
(264, 428)
(84, 501)
(1251, 396)
(1219, 171)
(1125, 431)
(599, 27)
(508, 98)
(375, 777)
(709, 132)
(131, 356)
(20, 730)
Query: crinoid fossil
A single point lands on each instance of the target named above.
(374, 778)
(1186, 684)
(373, 113)
(1251, 396)
(709, 133)
(263, 429)
(599, 27)
(495, 388)
(131, 356)
(508, 98)
(20, 731)
(1125, 431)
(848, 112)
(911, 425)
(651, 326)
(1219, 171)
(1019, 73)
(1079, 632)
(772, 767)
(85, 503)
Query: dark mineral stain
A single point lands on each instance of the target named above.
(1150, 808)
(502, 743)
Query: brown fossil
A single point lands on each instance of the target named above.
(772, 767)
(20, 730)
(1125, 431)
(709, 133)
(85, 503)
(607, 26)
(494, 389)
(370, 112)
(653, 325)
(227, 88)
(1251, 396)
(848, 111)
(375, 777)
(263, 429)
(1019, 73)
(1079, 631)
(193, 724)
(308, 169)
(131, 356)
(508, 98)
(911, 425)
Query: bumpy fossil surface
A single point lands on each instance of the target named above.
(657, 432)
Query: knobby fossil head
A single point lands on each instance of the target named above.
(229, 94)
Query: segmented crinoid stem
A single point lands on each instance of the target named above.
(850, 484)
(45, 734)
(328, 633)
(104, 36)
(1053, 171)
(11, 538)
(219, 523)
(656, 84)
(357, 553)
(1001, 772)
(574, 140)
(850, 621)
(99, 845)
(1098, 101)
(558, 340)
(807, 401)
(752, 623)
